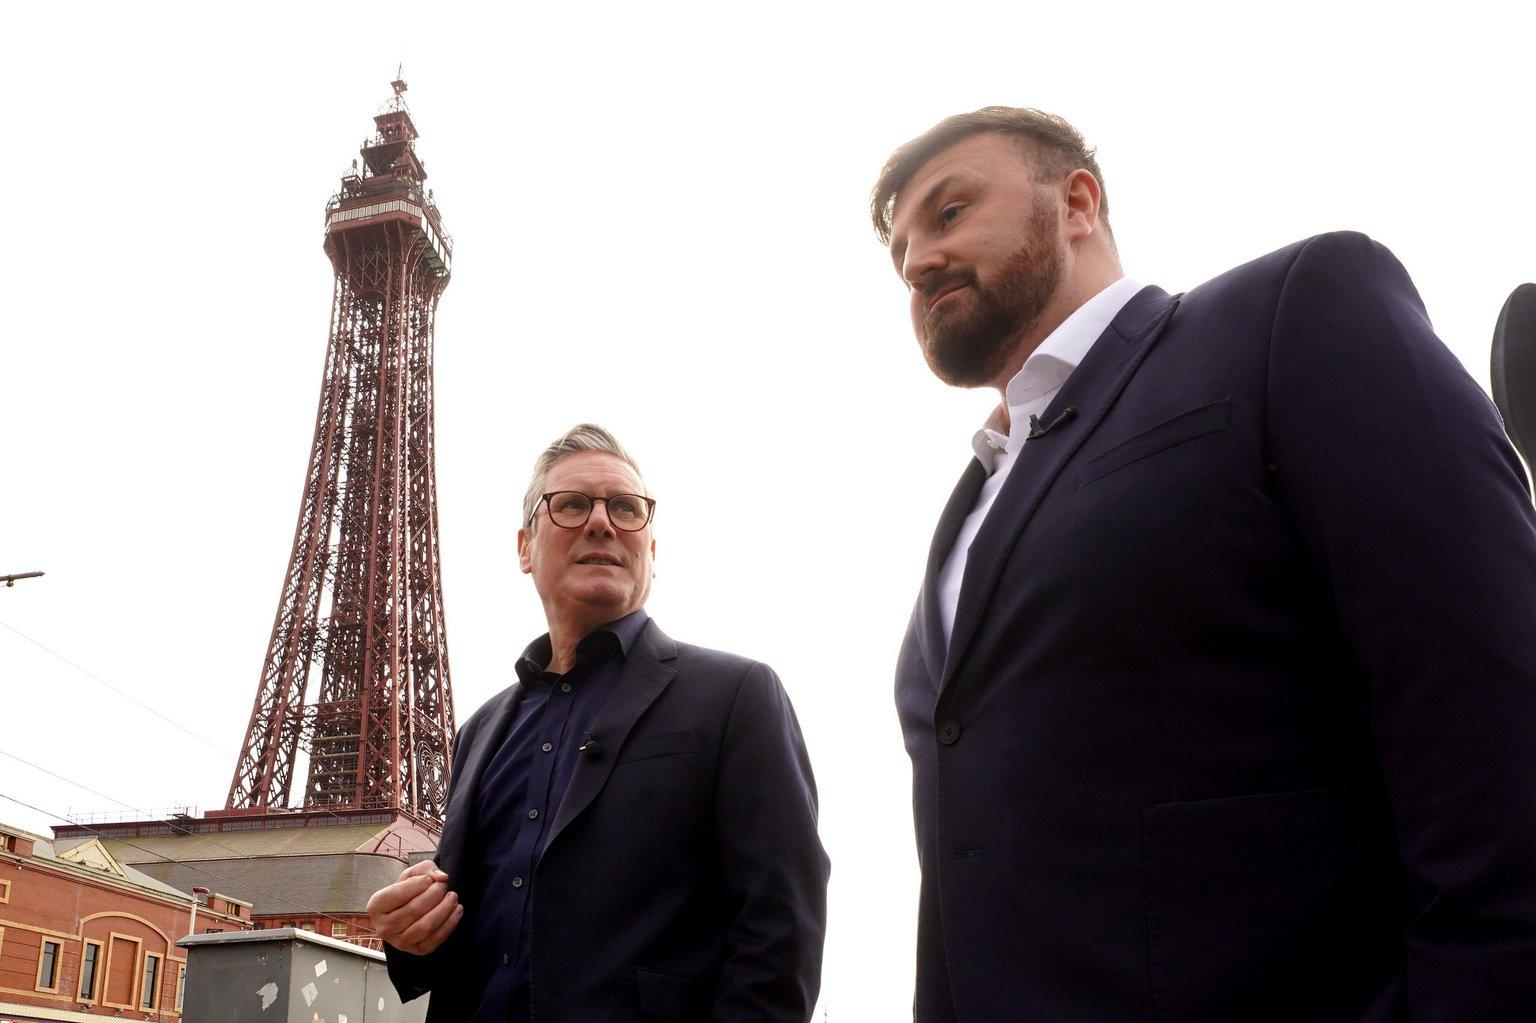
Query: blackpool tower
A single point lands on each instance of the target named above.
(359, 626)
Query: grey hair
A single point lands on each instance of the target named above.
(579, 438)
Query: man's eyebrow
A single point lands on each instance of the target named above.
(929, 197)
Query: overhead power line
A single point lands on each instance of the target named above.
(133, 699)
(144, 814)
(101, 681)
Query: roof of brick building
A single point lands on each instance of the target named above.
(309, 841)
(277, 885)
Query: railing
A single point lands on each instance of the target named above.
(401, 189)
(125, 816)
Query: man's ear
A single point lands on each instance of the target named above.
(525, 550)
(1082, 203)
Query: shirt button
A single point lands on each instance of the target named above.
(949, 732)
(517, 882)
(505, 958)
(547, 747)
(533, 815)
(565, 687)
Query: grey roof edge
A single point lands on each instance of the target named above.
(11, 829)
(279, 934)
(43, 855)
(263, 856)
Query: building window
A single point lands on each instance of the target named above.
(5, 891)
(338, 930)
(308, 925)
(181, 987)
(151, 981)
(90, 955)
(48, 967)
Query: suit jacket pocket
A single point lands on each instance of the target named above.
(664, 745)
(1278, 906)
(1212, 418)
(666, 996)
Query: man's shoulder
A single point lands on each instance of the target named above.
(705, 665)
(715, 663)
(1343, 250)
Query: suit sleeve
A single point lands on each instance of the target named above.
(411, 975)
(1406, 494)
(414, 975)
(772, 863)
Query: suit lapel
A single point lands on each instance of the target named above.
(930, 627)
(466, 779)
(646, 673)
(1092, 390)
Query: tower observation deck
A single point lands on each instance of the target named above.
(359, 625)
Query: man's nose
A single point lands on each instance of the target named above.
(596, 526)
(921, 261)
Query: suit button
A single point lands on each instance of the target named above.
(949, 731)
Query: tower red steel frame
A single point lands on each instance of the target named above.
(361, 614)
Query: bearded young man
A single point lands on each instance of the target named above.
(1220, 691)
(631, 826)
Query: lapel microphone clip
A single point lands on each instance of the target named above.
(1039, 429)
(591, 748)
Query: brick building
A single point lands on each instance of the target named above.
(84, 935)
(313, 870)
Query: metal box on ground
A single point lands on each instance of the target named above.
(289, 976)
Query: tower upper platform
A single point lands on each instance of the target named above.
(390, 185)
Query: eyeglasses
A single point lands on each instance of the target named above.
(570, 509)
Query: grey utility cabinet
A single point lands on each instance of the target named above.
(289, 976)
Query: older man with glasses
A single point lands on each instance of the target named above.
(631, 830)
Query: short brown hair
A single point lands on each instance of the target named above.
(1054, 145)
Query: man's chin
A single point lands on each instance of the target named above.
(960, 363)
(610, 600)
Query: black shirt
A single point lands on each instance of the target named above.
(518, 796)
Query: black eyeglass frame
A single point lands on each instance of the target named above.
(650, 510)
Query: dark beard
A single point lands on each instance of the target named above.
(971, 347)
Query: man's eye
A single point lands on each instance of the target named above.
(948, 214)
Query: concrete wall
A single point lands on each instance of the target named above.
(289, 976)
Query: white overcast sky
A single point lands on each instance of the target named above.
(659, 224)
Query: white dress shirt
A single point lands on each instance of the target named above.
(1028, 393)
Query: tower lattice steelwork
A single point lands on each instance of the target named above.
(360, 622)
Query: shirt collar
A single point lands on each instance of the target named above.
(1047, 368)
(624, 631)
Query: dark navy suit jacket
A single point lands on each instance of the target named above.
(1238, 717)
(682, 878)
